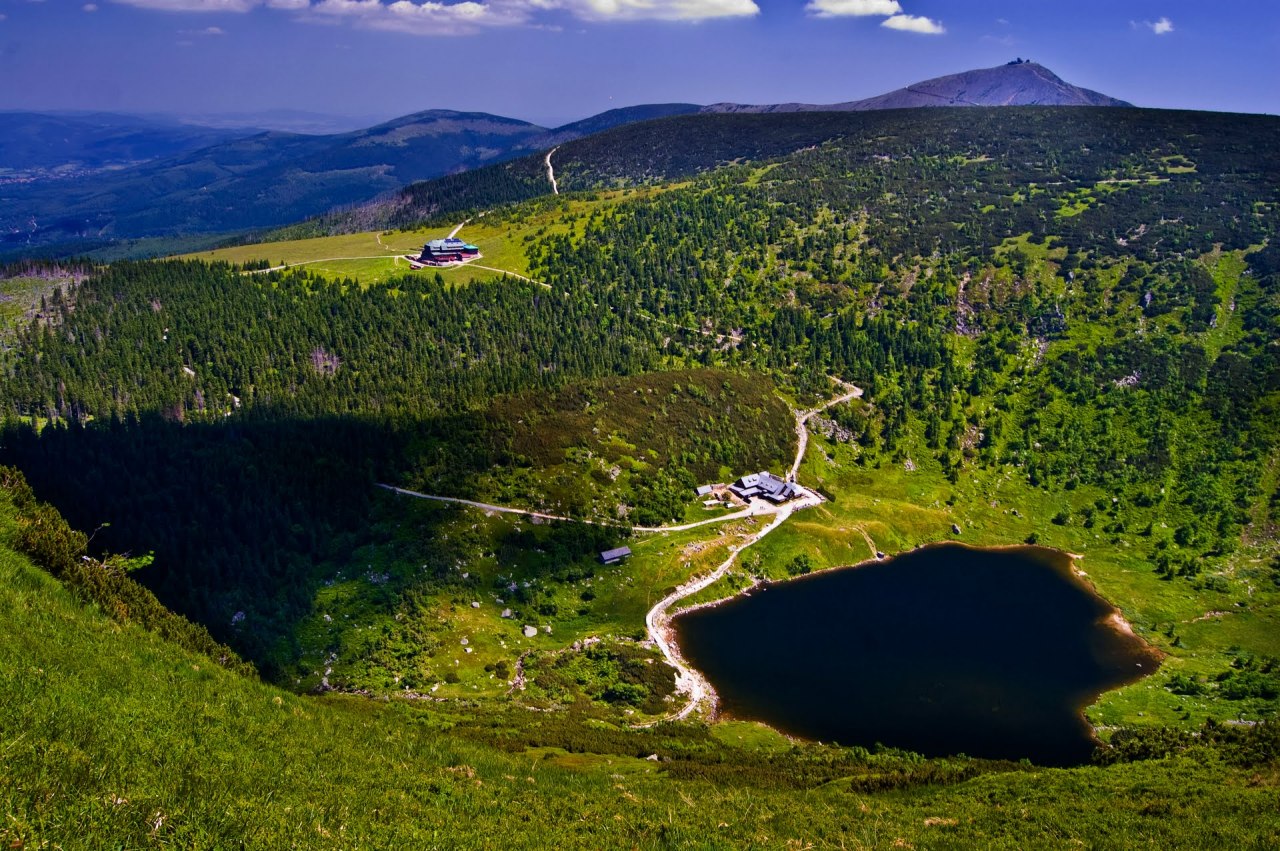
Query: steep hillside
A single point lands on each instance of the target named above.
(115, 736)
(678, 147)
(1018, 83)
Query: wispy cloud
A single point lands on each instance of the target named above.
(429, 17)
(421, 18)
(205, 31)
(90, 7)
(1162, 26)
(852, 8)
(660, 10)
(193, 5)
(914, 24)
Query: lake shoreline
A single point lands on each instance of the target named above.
(1067, 564)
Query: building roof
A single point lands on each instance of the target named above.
(449, 244)
(703, 490)
(764, 484)
(615, 554)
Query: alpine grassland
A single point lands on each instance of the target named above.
(1047, 326)
(114, 735)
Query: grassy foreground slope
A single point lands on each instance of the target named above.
(113, 737)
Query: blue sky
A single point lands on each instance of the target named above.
(553, 61)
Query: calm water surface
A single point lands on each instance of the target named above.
(943, 650)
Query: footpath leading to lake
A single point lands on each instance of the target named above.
(658, 621)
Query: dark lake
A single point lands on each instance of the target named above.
(943, 650)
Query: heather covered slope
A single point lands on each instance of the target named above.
(678, 147)
(113, 736)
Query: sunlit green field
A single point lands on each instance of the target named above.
(374, 257)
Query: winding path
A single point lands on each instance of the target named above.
(802, 420)
(321, 260)
(757, 508)
(551, 173)
(688, 680)
(658, 619)
(508, 272)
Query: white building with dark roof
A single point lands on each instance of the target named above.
(764, 484)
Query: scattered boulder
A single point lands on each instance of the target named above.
(955, 528)
(530, 631)
(475, 604)
(506, 613)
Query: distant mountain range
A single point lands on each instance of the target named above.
(123, 177)
(52, 145)
(1019, 83)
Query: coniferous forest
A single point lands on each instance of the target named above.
(1070, 311)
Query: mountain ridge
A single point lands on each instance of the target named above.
(1017, 83)
(269, 179)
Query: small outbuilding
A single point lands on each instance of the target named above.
(615, 555)
(705, 490)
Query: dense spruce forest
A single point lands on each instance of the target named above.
(1084, 301)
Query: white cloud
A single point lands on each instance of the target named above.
(90, 7)
(654, 10)
(192, 5)
(1162, 26)
(431, 17)
(427, 18)
(852, 8)
(914, 24)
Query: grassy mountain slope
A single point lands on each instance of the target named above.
(678, 147)
(113, 736)
(1068, 314)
